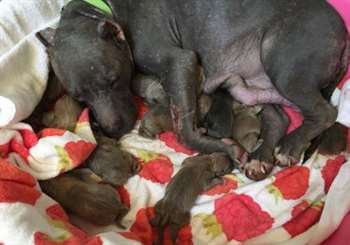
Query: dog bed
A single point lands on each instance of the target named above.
(293, 206)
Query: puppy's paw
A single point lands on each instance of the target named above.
(257, 170)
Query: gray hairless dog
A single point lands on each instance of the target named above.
(270, 52)
(262, 52)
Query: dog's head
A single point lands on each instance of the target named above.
(92, 59)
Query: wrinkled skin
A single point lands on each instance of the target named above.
(79, 192)
(112, 164)
(92, 59)
(257, 51)
(199, 173)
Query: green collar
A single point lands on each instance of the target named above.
(101, 5)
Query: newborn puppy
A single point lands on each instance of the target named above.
(113, 165)
(79, 192)
(198, 174)
(156, 121)
(64, 115)
(247, 125)
(150, 89)
(217, 115)
(220, 117)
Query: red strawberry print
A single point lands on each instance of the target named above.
(156, 167)
(71, 235)
(290, 183)
(51, 132)
(10, 172)
(330, 171)
(19, 148)
(16, 185)
(56, 212)
(4, 150)
(241, 217)
(79, 151)
(84, 116)
(170, 140)
(142, 107)
(12, 192)
(304, 216)
(124, 196)
(143, 231)
(231, 182)
(300, 208)
(29, 138)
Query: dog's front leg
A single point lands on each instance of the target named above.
(181, 79)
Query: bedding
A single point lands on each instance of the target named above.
(293, 206)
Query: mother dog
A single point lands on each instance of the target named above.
(270, 52)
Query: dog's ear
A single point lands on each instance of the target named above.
(46, 36)
(109, 29)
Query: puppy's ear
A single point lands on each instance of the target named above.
(46, 36)
(110, 29)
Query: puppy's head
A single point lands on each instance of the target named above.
(113, 165)
(220, 163)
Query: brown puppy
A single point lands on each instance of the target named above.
(156, 121)
(64, 115)
(198, 174)
(246, 126)
(79, 192)
(113, 165)
(220, 117)
(150, 89)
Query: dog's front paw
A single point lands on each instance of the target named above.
(289, 151)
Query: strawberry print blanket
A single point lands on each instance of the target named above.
(286, 206)
(303, 204)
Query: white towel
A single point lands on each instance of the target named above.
(23, 59)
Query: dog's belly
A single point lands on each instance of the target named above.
(239, 70)
(258, 90)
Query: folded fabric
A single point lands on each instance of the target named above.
(23, 59)
(51, 152)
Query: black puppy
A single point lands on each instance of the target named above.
(198, 174)
(92, 59)
(274, 51)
